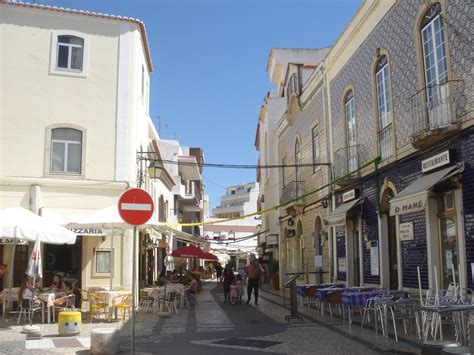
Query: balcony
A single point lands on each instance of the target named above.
(189, 197)
(346, 164)
(292, 191)
(385, 142)
(434, 113)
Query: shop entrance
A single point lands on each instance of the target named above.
(448, 239)
(356, 249)
(391, 233)
(21, 263)
(63, 260)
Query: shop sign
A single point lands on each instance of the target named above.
(290, 233)
(12, 241)
(272, 239)
(341, 264)
(406, 231)
(349, 195)
(87, 231)
(374, 258)
(163, 245)
(436, 161)
(409, 204)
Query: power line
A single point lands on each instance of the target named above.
(241, 166)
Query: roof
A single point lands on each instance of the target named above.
(138, 22)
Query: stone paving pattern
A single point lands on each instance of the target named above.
(212, 327)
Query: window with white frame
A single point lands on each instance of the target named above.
(315, 145)
(70, 53)
(103, 261)
(350, 132)
(384, 104)
(66, 151)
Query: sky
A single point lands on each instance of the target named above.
(210, 59)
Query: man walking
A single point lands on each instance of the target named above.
(253, 272)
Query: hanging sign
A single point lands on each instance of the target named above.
(87, 231)
(349, 195)
(406, 231)
(436, 161)
(272, 239)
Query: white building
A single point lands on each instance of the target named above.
(239, 200)
(74, 112)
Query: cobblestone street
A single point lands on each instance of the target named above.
(214, 328)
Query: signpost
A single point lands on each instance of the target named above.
(135, 206)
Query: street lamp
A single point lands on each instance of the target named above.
(154, 169)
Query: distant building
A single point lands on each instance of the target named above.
(239, 200)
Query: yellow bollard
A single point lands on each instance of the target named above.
(69, 322)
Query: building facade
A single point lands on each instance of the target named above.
(400, 90)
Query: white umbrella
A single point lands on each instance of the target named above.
(20, 224)
(34, 268)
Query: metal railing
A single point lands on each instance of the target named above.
(385, 142)
(434, 107)
(292, 190)
(293, 87)
(347, 160)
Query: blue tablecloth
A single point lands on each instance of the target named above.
(322, 293)
(359, 299)
(301, 289)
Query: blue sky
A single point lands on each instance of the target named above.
(210, 60)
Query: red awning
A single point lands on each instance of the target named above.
(188, 252)
(210, 256)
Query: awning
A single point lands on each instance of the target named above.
(413, 198)
(180, 235)
(188, 168)
(338, 216)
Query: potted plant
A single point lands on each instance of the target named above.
(274, 267)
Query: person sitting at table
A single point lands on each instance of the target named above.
(27, 291)
(174, 277)
(65, 291)
(57, 284)
(161, 279)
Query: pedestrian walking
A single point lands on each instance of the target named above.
(219, 272)
(253, 272)
(228, 279)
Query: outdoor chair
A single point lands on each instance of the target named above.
(146, 301)
(98, 305)
(310, 292)
(335, 298)
(172, 299)
(405, 310)
(27, 307)
(122, 303)
(376, 307)
(85, 299)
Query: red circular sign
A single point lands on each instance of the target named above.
(135, 207)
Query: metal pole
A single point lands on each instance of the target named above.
(112, 260)
(10, 276)
(134, 281)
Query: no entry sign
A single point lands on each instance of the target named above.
(135, 206)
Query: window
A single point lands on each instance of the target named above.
(435, 65)
(350, 132)
(297, 160)
(66, 150)
(384, 104)
(315, 142)
(70, 53)
(103, 259)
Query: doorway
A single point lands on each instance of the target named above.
(391, 232)
(21, 263)
(64, 260)
(356, 251)
(318, 249)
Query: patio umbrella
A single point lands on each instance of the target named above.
(34, 268)
(18, 223)
(210, 256)
(188, 252)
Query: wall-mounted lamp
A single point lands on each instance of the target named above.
(154, 168)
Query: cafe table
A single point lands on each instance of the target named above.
(48, 299)
(110, 295)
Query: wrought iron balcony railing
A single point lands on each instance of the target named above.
(434, 107)
(293, 86)
(347, 160)
(292, 191)
(385, 142)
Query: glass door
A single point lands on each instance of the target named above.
(448, 241)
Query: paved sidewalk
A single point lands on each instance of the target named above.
(212, 327)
